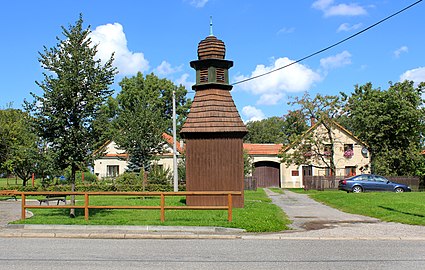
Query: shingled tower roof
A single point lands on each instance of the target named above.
(213, 109)
(211, 48)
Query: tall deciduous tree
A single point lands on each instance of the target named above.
(269, 130)
(21, 153)
(276, 129)
(75, 85)
(392, 122)
(315, 147)
(143, 115)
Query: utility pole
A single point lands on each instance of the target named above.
(175, 171)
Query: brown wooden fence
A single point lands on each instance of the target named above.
(331, 182)
(162, 207)
(250, 183)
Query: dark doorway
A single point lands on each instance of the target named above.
(267, 174)
(307, 171)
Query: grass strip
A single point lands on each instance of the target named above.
(406, 208)
(258, 215)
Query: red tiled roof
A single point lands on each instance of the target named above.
(123, 155)
(169, 139)
(262, 149)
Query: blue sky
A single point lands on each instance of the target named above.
(162, 37)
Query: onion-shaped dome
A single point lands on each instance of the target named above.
(211, 48)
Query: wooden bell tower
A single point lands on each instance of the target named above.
(213, 129)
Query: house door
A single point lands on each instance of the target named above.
(267, 174)
(307, 171)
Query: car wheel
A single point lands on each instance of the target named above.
(399, 189)
(357, 189)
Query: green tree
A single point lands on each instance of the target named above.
(103, 123)
(316, 147)
(74, 87)
(276, 129)
(392, 122)
(21, 154)
(140, 120)
(269, 130)
(248, 166)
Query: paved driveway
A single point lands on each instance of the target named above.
(316, 220)
(9, 211)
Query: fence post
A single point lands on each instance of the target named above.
(86, 206)
(23, 206)
(229, 207)
(162, 207)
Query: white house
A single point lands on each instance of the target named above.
(269, 169)
(113, 161)
(351, 156)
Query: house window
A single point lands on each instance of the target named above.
(350, 170)
(327, 150)
(308, 152)
(348, 146)
(295, 173)
(112, 170)
(348, 150)
(328, 172)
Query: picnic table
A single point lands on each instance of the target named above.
(53, 197)
(10, 193)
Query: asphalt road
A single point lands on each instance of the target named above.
(38, 253)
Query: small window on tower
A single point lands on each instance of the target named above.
(220, 75)
(203, 75)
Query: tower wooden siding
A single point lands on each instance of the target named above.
(221, 169)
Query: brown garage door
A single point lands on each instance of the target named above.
(267, 174)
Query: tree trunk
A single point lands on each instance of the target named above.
(143, 179)
(72, 210)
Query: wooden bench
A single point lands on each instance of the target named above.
(10, 193)
(53, 197)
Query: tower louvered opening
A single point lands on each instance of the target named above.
(220, 75)
(203, 75)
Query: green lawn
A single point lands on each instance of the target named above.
(258, 215)
(10, 183)
(277, 190)
(14, 183)
(407, 208)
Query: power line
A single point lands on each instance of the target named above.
(331, 46)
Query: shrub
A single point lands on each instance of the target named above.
(129, 179)
(160, 176)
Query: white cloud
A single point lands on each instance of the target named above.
(272, 87)
(252, 113)
(347, 27)
(111, 38)
(198, 3)
(322, 4)
(165, 68)
(336, 61)
(183, 81)
(402, 49)
(286, 30)
(329, 9)
(417, 75)
(270, 99)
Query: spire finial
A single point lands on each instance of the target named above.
(211, 27)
